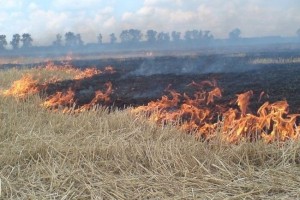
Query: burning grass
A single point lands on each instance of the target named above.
(199, 114)
(116, 154)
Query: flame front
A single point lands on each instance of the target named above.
(88, 72)
(64, 100)
(200, 115)
(27, 85)
(100, 97)
(60, 99)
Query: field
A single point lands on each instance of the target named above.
(77, 150)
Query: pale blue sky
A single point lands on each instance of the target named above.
(45, 18)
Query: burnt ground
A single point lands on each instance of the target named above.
(140, 80)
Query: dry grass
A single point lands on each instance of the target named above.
(102, 155)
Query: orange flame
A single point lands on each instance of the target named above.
(100, 96)
(109, 70)
(66, 67)
(200, 116)
(27, 85)
(60, 99)
(66, 101)
(199, 113)
(88, 72)
(243, 101)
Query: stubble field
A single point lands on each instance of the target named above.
(114, 153)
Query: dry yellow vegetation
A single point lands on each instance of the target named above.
(120, 155)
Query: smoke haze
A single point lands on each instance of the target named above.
(44, 19)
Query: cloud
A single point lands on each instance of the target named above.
(157, 15)
(61, 22)
(253, 17)
(44, 24)
(75, 4)
(10, 4)
(91, 17)
(163, 3)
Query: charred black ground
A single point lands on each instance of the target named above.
(138, 81)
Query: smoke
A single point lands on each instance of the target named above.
(194, 65)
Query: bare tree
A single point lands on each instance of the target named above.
(3, 42)
(15, 43)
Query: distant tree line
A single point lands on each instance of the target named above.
(130, 36)
(18, 41)
(135, 36)
(126, 37)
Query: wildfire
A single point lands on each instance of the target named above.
(202, 116)
(78, 74)
(109, 70)
(88, 72)
(200, 111)
(27, 85)
(100, 97)
(60, 99)
(66, 67)
(66, 99)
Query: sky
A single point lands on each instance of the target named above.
(43, 19)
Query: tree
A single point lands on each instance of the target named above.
(131, 36)
(113, 38)
(3, 42)
(73, 40)
(26, 40)
(79, 41)
(151, 36)
(208, 36)
(194, 35)
(136, 35)
(188, 36)
(70, 39)
(15, 43)
(197, 35)
(298, 32)
(99, 38)
(175, 36)
(58, 41)
(235, 34)
(124, 36)
(163, 37)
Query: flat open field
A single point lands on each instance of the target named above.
(74, 133)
